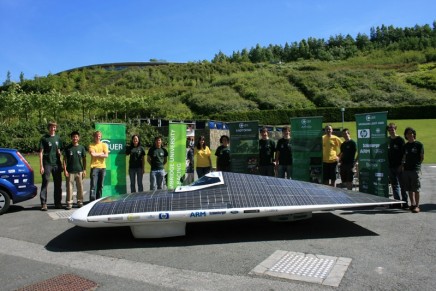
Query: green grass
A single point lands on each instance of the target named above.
(424, 131)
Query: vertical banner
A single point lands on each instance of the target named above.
(373, 153)
(244, 144)
(306, 144)
(114, 135)
(176, 154)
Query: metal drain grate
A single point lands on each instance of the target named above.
(64, 282)
(325, 270)
(303, 266)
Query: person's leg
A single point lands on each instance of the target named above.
(79, 187)
(57, 183)
(139, 175)
(101, 174)
(281, 171)
(94, 180)
(132, 175)
(159, 179)
(45, 181)
(69, 186)
(153, 185)
(395, 183)
(289, 172)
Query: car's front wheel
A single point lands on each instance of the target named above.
(5, 201)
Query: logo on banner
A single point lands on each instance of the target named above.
(112, 147)
(306, 123)
(370, 117)
(363, 133)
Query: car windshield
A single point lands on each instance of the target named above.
(205, 180)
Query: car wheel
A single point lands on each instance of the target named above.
(5, 201)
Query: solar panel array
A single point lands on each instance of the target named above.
(238, 191)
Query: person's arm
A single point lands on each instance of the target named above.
(64, 165)
(84, 165)
(41, 166)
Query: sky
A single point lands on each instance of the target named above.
(40, 37)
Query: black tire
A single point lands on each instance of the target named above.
(5, 201)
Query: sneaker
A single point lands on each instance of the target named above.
(416, 209)
(412, 207)
(44, 207)
(58, 206)
(80, 204)
(68, 207)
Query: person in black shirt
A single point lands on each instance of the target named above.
(395, 157)
(136, 163)
(222, 154)
(347, 159)
(413, 152)
(284, 154)
(267, 149)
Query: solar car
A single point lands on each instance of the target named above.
(218, 196)
(16, 179)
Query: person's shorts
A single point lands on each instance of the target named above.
(411, 181)
(346, 171)
(329, 171)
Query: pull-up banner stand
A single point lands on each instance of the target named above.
(176, 154)
(244, 146)
(306, 145)
(114, 135)
(373, 153)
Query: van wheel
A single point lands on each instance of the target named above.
(5, 201)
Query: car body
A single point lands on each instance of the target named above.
(218, 196)
(16, 179)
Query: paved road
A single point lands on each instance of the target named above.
(389, 250)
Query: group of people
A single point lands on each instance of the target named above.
(73, 165)
(55, 159)
(404, 158)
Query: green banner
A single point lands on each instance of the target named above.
(244, 143)
(373, 153)
(306, 144)
(176, 154)
(114, 135)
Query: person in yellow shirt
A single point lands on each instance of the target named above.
(99, 152)
(202, 156)
(331, 147)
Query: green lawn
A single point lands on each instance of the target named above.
(424, 131)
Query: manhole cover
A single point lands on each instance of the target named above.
(64, 282)
(325, 270)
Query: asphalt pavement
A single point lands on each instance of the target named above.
(387, 249)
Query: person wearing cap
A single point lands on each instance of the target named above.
(50, 146)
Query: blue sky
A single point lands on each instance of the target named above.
(39, 37)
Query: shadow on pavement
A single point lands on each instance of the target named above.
(320, 226)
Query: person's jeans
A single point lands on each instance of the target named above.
(201, 171)
(267, 170)
(284, 169)
(97, 178)
(156, 179)
(56, 172)
(136, 175)
(396, 182)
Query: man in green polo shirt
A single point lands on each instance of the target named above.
(74, 165)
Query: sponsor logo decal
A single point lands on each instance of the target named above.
(198, 214)
(164, 215)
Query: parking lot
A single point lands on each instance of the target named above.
(387, 249)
